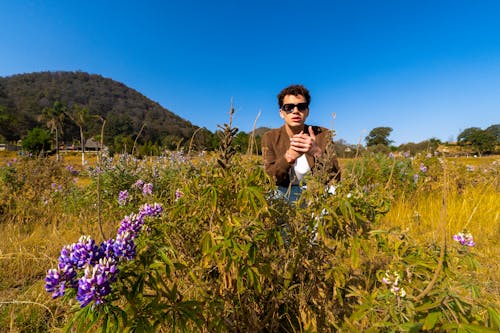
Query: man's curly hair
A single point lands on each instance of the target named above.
(294, 89)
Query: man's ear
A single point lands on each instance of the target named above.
(281, 115)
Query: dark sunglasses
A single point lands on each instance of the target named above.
(290, 107)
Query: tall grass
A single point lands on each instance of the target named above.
(224, 261)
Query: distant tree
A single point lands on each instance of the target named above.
(37, 140)
(80, 115)
(204, 140)
(344, 149)
(378, 149)
(379, 136)
(464, 137)
(429, 146)
(149, 149)
(240, 142)
(495, 130)
(7, 124)
(434, 143)
(481, 141)
(171, 142)
(123, 144)
(54, 117)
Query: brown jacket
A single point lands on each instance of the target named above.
(276, 142)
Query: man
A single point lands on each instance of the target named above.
(293, 150)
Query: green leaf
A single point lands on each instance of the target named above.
(206, 243)
(430, 320)
(494, 318)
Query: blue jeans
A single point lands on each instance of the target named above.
(290, 194)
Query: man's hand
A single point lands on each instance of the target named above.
(302, 143)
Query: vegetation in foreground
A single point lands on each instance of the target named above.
(403, 245)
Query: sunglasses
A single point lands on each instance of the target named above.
(290, 107)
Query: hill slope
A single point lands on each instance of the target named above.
(23, 96)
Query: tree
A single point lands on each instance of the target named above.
(481, 141)
(36, 141)
(464, 137)
(80, 116)
(54, 117)
(7, 124)
(344, 149)
(495, 130)
(123, 144)
(379, 136)
(240, 142)
(429, 146)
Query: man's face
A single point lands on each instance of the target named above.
(296, 115)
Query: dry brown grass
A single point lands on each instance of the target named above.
(475, 208)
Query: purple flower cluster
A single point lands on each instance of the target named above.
(99, 264)
(10, 163)
(96, 281)
(464, 238)
(138, 184)
(72, 170)
(392, 280)
(415, 178)
(56, 188)
(147, 189)
(122, 197)
(423, 168)
(178, 194)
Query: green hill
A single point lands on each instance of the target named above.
(23, 97)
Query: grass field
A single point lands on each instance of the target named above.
(42, 211)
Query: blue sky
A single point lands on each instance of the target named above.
(425, 68)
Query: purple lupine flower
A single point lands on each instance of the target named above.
(423, 168)
(406, 154)
(464, 238)
(85, 252)
(391, 155)
(131, 223)
(96, 282)
(72, 170)
(106, 249)
(154, 210)
(415, 178)
(95, 171)
(67, 266)
(99, 263)
(124, 245)
(392, 280)
(122, 197)
(55, 283)
(147, 189)
(138, 184)
(469, 168)
(398, 291)
(178, 194)
(56, 188)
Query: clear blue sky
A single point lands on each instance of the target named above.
(425, 68)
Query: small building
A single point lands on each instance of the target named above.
(9, 147)
(92, 145)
